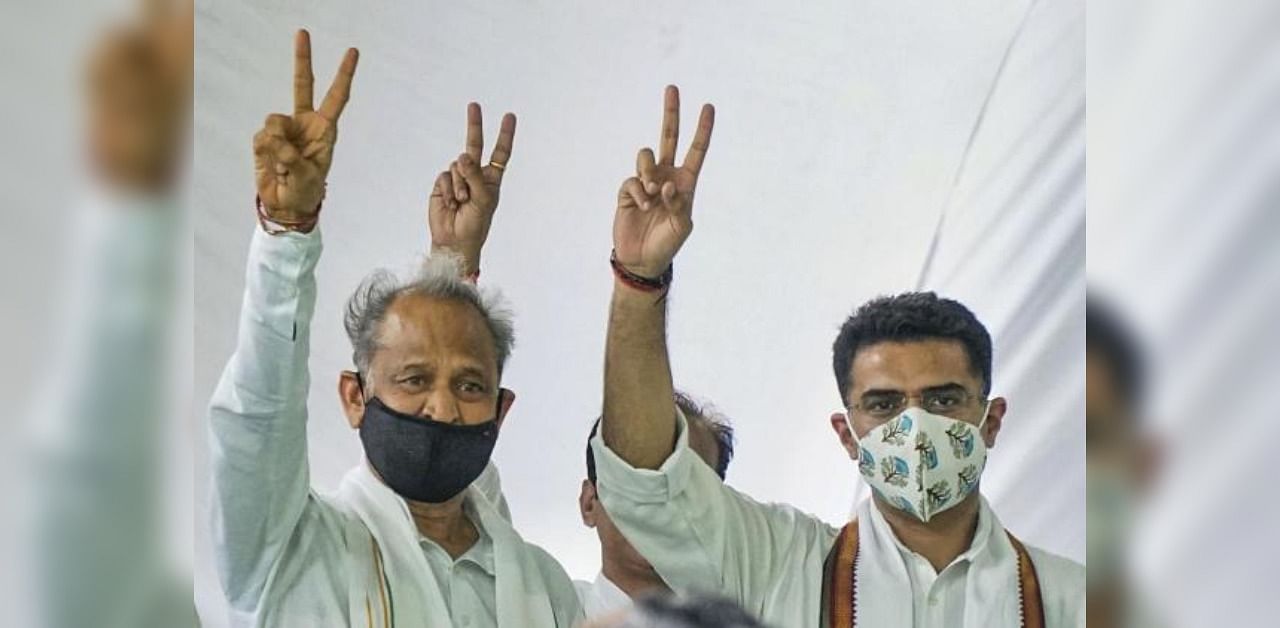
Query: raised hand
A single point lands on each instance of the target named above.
(465, 197)
(139, 98)
(292, 154)
(655, 209)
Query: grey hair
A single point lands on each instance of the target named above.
(691, 610)
(439, 276)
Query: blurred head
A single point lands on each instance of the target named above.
(710, 436)
(913, 349)
(1120, 458)
(432, 346)
(1113, 383)
(680, 611)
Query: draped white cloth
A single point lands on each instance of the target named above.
(841, 133)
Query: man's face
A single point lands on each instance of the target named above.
(435, 359)
(915, 369)
(615, 546)
(1111, 436)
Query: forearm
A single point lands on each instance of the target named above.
(258, 414)
(639, 411)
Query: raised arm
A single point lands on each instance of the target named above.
(258, 413)
(459, 219)
(652, 221)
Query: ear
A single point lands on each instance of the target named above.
(588, 503)
(506, 397)
(995, 419)
(352, 398)
(845, 434)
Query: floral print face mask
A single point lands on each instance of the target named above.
(923, 463)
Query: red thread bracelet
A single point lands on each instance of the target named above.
(275, 226)
(640, 282)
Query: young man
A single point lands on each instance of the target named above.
(914, 372)
(406, 541)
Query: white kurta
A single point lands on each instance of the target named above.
(699, 533)
(288, 556)
(601, 596)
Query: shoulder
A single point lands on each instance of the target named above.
(564, 593)
(1062, 586)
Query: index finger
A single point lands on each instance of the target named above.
(303, 79)
(475, 131)
(670, 126)
(340, 92)
(506, 137)
(701, 139)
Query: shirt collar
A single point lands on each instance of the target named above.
(481, 553)
(981, 533)
(609, 592)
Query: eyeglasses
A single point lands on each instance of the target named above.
(949, 402)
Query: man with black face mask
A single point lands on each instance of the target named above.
(408, 539)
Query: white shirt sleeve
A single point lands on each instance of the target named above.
(258, 415)
(701, 534)
(96, 429)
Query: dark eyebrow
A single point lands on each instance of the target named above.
(881, 391)
(948, 387)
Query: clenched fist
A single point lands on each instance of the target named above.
(292, 154)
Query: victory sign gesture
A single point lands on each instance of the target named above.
(465, 197)
(292, 154)
(655, 209)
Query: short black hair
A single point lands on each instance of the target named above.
(1109, 338)
(910, 316)
(719, 425)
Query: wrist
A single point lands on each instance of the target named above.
(641, 279)
(469, 258)
(278, 222)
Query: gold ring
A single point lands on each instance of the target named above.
(499, 166)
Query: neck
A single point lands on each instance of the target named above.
(633, 580)
(446, 524)
(947, 535)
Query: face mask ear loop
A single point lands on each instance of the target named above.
(360, 385)
(986, 411)
(848, 420)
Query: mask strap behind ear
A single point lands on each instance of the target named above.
(360, 385)
(985, 413)
(848, 420)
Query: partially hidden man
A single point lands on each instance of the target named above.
(411, 537)
(914, 374)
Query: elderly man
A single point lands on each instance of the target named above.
(405, 541)
(913, 371)
(624, 573)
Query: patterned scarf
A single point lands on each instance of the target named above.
(841, 594)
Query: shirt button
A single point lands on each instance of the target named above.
(933, 600)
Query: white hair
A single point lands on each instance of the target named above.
(438, 276)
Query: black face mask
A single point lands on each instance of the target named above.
(421, 459)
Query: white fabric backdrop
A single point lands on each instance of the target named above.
(841, 133)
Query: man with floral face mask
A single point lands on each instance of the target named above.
(913, 371)
(412, 537)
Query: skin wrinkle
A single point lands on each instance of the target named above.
(436, 359)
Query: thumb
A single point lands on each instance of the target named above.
(474, 178)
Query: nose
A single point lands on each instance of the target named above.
(442, 406)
